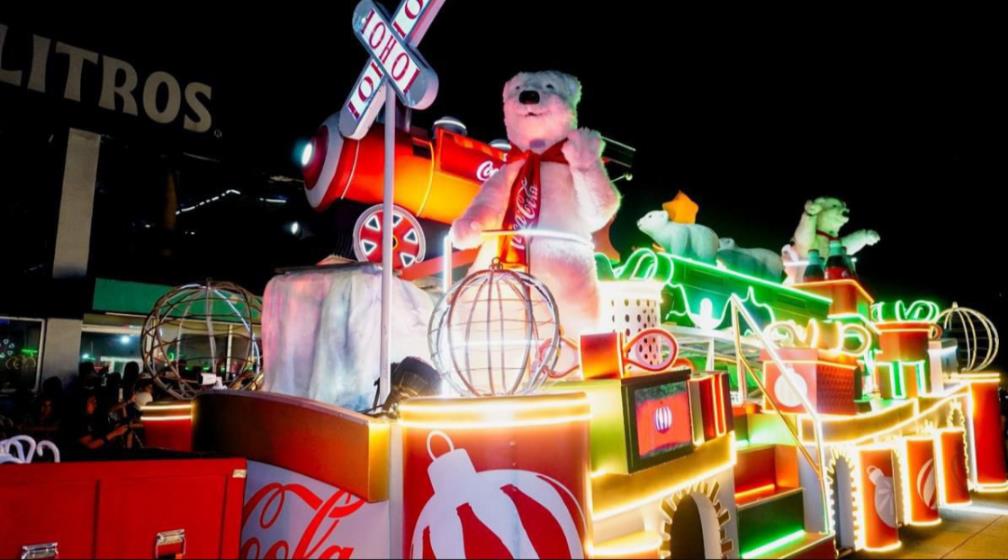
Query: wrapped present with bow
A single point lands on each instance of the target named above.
(904, 330)
(902, 361)
(820, 367)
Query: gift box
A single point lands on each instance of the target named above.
(905, 341)
(847, 295)
(901, 380)
(828, 381)
(710, 402)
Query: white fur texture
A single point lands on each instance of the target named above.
(320, 332)
(577, 198)
(826, 214)
(693, 241)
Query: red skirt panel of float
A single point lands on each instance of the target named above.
(496, 477)
(317, 474)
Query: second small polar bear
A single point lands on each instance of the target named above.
(701, 243)
(693, 241)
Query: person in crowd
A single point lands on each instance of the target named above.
(87, 379)
(53, 389)
(44, 421)
(131, 374)
(112, 392)
(144, 393)
(88, 430)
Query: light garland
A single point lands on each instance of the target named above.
(657, 496)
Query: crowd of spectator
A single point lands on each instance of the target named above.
(98, 410)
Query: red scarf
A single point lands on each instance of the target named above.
(524, 202)
(826, 235)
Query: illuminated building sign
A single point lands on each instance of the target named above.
(159, 96)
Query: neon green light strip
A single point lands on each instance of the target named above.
(761, 551)
(699, 319)
(723, 271)
(645, 264)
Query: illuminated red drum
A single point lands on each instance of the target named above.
(987, 433)
(878, 499)
(496, 477)
(952, 474)
(921, 480)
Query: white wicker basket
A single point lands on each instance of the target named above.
(630, 307)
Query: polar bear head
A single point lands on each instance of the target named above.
(833, 216)
(540, 108)
(653, 221)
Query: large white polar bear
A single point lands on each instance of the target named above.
(553, 180)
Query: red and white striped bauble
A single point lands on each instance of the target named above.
(502, 513)
(663, 419)
(926, 485)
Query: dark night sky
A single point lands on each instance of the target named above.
(900, 114)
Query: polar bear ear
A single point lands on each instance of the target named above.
(515, 82)
(572, 89)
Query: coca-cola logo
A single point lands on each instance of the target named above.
(526, 211)
(314, 541)
(486, 170)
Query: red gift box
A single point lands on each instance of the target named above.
(904, 341)
(827, 379)
(710, 399)
(847, 295)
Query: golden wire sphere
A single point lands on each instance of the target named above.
(199, 329)
(495, 333)
(975, 336)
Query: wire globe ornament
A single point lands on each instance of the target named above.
(203, 328)
(975, 335)
(495, 333)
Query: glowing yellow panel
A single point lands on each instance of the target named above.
(613, 494)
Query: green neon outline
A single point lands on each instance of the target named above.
(760, 551)
(896, 381)
(750, 298)
(725, 271)
(921, 310)
(646, 264)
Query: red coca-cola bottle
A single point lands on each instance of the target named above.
(836, 264)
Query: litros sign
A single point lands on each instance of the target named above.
(158, 96)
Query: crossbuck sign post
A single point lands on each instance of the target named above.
(394, 69)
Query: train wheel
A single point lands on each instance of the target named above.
(408, 242)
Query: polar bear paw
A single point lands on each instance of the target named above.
(583, 149)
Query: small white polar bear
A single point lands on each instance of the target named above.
(693, 241)
(761, 263)
(576, 195)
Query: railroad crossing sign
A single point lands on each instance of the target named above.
(394, 70)
(392, 46)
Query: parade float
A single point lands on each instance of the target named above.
(720, 402)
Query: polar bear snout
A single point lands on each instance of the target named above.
(528, 97)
